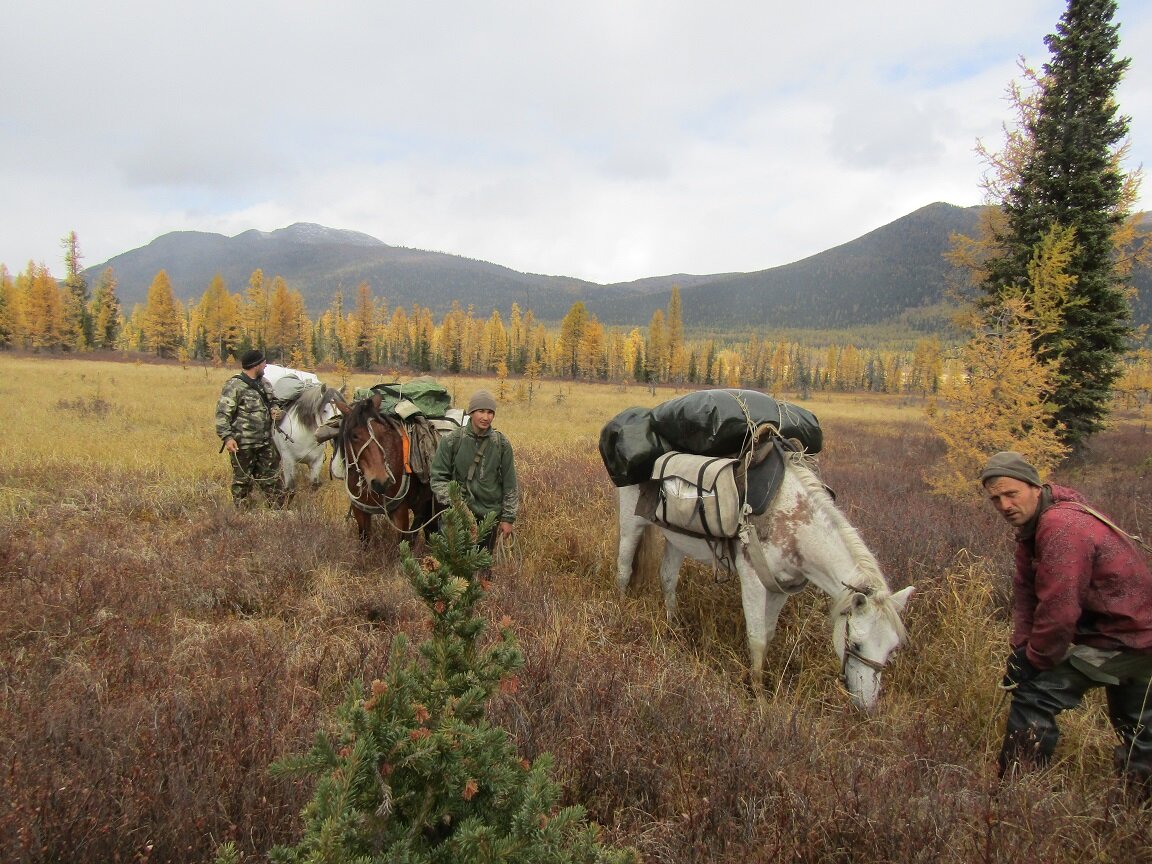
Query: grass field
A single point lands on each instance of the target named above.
(161, 650)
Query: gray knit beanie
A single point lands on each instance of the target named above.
(1010, 464)
(481, 400)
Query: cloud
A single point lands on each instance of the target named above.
(606, 140)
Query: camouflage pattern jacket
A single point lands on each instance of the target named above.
(242, 413)
(1078, 582)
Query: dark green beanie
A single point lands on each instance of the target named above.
(1009, 463)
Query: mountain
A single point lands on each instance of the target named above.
(895, 273)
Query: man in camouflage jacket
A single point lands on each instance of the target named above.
(245, 414)
(1082, 618)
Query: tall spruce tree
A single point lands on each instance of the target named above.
(1069, 176)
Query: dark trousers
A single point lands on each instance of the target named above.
(259, 467)
(1031, 735)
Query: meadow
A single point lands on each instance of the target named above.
(160, 650)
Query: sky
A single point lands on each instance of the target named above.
(607, 140)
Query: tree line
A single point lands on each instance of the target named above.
(40, 313)
(362, 332)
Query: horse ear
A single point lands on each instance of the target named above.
(342, 406)
(859, 600)
(900, 598)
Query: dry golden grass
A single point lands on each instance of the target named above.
(162, 650)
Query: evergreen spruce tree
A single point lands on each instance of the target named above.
(415, 772)
(1065, 174)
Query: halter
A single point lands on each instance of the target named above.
(849, 649)
(361, 483)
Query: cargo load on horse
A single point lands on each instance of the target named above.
(708, 459)
(705, 423)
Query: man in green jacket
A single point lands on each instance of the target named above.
(245, 413)
(479, 458)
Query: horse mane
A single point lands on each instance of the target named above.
(308, 405)
(872, 580)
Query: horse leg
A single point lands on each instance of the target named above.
(761, 614)
(287, 467)
(670, 578)
(630, 534)
(402, 522)
(315, 466)
(363, 525)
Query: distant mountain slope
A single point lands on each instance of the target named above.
(871, 280)
(319, 261)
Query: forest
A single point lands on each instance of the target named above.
(42, 314)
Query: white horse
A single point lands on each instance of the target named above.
(804, 538)
(295, 434)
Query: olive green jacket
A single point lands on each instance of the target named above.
(493, 484)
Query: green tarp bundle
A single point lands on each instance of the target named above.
(431, 398)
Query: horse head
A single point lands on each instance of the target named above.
(867, 629)
(373, 451)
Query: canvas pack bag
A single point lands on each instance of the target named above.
(698, 494)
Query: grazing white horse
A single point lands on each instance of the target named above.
(295, 434)
(804, 538)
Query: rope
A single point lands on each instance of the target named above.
(247, 475)
(508, 551)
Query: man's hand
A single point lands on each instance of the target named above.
(277, 413)
(231, 446)
(1019, 669)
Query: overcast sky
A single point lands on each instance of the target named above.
(604, 139)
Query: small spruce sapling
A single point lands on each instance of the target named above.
(414, 772)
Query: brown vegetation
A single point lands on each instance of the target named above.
(161, 650)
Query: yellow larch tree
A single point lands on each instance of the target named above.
(256, 310)
(1000, 398)
(45, 321)
(218, 315)
(570, 341)
(162, 326)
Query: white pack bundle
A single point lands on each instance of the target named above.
(698, 494)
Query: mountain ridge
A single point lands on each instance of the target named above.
(876, 279)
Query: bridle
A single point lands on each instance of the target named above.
(362, 486)
(851, 649)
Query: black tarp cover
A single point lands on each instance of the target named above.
(706, 422)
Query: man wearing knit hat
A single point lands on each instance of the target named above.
(479, 458)
(1082, 618)
(244, 415)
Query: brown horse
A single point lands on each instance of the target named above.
(386, 468)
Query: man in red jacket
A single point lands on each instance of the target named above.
(1082, 618)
